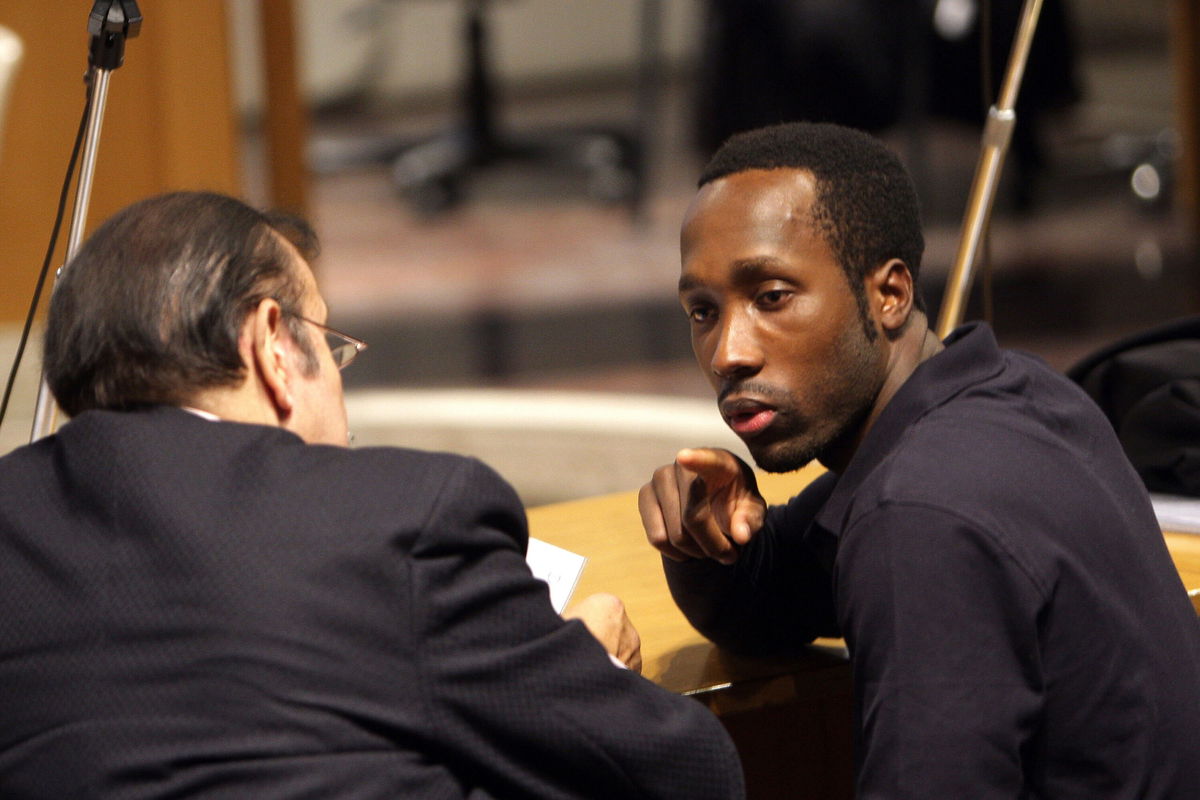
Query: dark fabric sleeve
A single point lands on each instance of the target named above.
(942, 626)
(777, 597)
(525, 704)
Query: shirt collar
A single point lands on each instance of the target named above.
(199, 412)
(971, 355)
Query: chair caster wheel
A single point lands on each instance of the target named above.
(613, 184)
(432, 197)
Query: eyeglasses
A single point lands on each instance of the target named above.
(342, 347)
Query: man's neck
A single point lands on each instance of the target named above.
(241, 403)
(915, 344)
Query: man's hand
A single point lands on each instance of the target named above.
(706, 504)
(604, 615)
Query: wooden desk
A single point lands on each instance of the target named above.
(1185, 550)
(608, 531)
(796, 713)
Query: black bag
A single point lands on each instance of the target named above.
(1148, 386)
(769, 61)
(863, 62)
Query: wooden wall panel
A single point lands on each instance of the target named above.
(170, 123)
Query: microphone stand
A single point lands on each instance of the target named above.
(110, 23)
(997, 134)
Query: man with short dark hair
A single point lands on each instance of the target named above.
(207, 594)
(1015, 623)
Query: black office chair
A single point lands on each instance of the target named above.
(432, 173)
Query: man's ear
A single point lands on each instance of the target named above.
(890, 295)
(269, 345)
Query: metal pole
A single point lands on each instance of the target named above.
(91, 146)
(997, 134)
(45, 410)
(110, 24)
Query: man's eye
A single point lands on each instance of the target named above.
(700, 314)
(773, 297)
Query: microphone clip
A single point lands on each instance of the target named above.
(110, 23)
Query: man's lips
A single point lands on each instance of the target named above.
(747, 417)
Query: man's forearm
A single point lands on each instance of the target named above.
(770, 602)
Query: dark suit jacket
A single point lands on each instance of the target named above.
(211, 609)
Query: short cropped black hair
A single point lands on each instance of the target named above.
(866, 202)
(150, 309)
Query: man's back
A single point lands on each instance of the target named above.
(219, 609)
(1009, 594)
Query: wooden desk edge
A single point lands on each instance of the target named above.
(723, 683)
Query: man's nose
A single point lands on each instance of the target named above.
(737, 354)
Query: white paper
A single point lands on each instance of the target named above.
(1177, 514)
(557, 567)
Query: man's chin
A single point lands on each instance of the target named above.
(783, 456)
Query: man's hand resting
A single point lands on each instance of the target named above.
(604, 615)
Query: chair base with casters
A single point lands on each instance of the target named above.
(434, 173)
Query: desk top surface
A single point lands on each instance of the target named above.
(608, 531)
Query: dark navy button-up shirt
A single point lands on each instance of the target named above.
(1016, 626)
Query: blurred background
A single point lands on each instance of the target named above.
(499, 185)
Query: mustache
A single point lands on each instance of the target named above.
(763, 391)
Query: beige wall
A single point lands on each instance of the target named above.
(414, 47)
